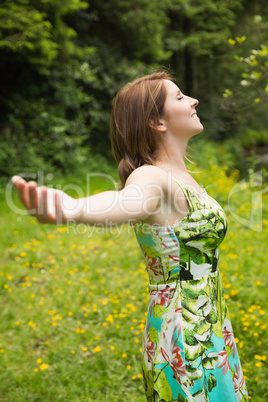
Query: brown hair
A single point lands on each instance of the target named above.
(136, 109)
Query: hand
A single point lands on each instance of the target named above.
(48, 205)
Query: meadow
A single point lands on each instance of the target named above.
(74, 298)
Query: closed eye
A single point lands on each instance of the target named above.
(180, 97)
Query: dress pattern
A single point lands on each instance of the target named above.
(189, 351)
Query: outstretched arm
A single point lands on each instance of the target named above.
(135, 202)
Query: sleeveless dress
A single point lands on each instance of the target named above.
(189, 351)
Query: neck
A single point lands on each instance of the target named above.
(171, 154)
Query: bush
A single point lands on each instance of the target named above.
(206, 153)
(254, 138)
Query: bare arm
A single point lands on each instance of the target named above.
(138, 200)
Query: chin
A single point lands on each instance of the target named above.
(198, 131)
(201, 128)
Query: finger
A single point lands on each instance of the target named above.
(52, 203)
(42, 201)
(16, 179)
(22, 189)
(33, 197)
(59, 215)
(43, 211)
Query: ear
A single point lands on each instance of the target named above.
(158, 125)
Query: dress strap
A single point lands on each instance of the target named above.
(187, 192)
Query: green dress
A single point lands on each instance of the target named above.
(189, 351)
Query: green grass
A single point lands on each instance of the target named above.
(73, 302)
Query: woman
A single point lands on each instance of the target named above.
(189, 351)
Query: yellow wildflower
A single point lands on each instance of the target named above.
(44, 366)
(110, 318)
(96, 349)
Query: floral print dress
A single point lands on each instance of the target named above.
(189, 351)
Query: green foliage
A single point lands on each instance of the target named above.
(57, 121)
(26, 32)
(254, 138)
(37, 34)
(252, 55)
(44, 133)
(62, 123)
(228, 153)
(138, 28)
(197, 37)
(63, 62)
(246, 68)
(202, 26)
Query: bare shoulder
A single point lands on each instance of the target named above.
(156, 179)
(147, 175)
(154, 176)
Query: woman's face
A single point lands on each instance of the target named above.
(180, 118)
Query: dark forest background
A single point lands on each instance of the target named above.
(62, 62)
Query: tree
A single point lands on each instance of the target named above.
(37, 34)
(63, 62)
(135, 30)
(197, 35)
(246, 94)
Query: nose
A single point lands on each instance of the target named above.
(194, 102)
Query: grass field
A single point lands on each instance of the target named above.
(73, 300)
